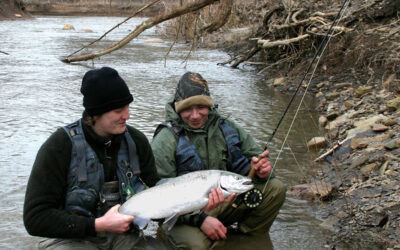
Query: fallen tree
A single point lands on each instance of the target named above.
(173, 13)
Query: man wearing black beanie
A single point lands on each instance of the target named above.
(85, 170)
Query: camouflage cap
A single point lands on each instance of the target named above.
(192, 90)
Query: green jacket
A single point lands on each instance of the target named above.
(209, 142)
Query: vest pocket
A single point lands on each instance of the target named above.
(111, 196)
(82, 201)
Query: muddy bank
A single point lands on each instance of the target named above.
(358, 157)
(90, 7)
(14, 9)
(365, 118)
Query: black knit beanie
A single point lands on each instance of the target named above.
(192, 89)
(104, 90)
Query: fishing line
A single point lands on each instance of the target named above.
(321, 49)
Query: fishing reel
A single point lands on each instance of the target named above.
(251, 199)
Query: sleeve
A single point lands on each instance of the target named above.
(44, 213)
(164, 148)
(146, 158)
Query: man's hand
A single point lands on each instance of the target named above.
(215, 198)
(261, 165)
(213, 228)
(113, 221)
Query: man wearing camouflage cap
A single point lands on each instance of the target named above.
(195, 137)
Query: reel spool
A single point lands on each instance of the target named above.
(252, 198)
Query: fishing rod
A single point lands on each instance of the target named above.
(253, 197)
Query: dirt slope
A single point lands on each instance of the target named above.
(12, 10)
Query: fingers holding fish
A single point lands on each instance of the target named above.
(214, 199)
(113, 221)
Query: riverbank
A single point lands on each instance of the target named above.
(13, 10)
(359, 182)
(90, 7)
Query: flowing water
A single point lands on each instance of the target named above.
(39, 93)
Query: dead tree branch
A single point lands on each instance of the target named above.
(249, 55)
(267, 44)
(190, 7)
(178, 31)
(116, 26)
(294, 16)
(225, 9)
(330, 151)
(302, 22)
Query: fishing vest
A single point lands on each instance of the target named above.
(188, 159)
(86, 188)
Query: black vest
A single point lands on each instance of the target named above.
(86, 175)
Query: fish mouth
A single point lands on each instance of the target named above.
(247, 183)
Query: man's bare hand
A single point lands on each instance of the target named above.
(261, 165)
(215, 198)
(214, 228)
(113, 221)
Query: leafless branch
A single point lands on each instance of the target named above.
(190, 7)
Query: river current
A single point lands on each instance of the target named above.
(39, 93)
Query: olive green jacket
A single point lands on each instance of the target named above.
(209, 142)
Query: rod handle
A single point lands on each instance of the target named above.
(252, 170)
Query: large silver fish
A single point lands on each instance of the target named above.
(181, 195)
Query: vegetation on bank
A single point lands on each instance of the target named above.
(282, 36)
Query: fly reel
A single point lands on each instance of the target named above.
(252, 198)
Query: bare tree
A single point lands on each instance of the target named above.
(179, 11)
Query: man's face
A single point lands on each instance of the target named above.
(195, 116)
(112, 122)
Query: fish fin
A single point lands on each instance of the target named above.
(141, 222)
(171, 220)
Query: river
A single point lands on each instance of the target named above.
(39, 93)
